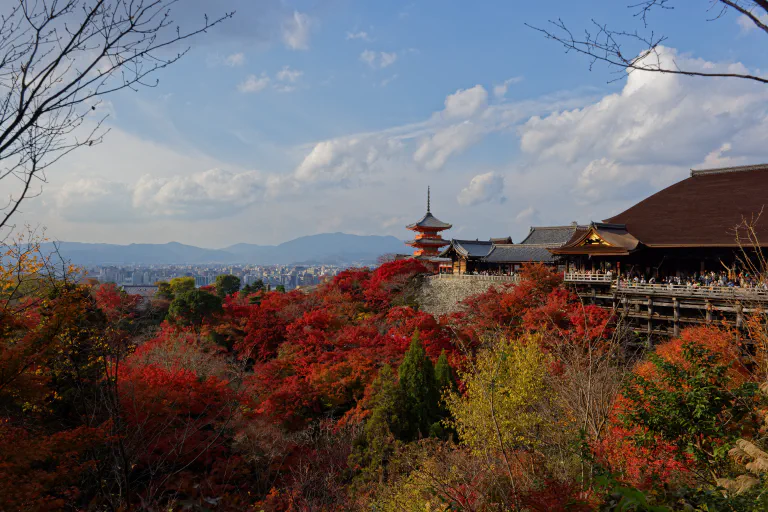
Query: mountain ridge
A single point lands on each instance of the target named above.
(336, 248)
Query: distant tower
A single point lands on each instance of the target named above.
(428, 240)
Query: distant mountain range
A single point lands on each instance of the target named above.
(333, 248)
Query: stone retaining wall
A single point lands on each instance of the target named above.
(443, 296)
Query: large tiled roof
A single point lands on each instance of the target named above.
(701, 211)
(429, 221)
(553, 236)
(514, 253)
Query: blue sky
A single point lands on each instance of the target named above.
(297, 118)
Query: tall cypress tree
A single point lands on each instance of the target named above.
(419, 390)
(444, 374)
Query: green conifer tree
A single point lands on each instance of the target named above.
(444, 375)
(379, 440)
(420, 394)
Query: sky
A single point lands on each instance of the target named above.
(305, 117)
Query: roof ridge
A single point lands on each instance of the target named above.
(724, 170)
(523, 245)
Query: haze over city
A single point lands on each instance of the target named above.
(297, 118)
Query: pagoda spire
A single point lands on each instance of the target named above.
(428, 199)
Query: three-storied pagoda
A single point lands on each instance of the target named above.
(428, 241)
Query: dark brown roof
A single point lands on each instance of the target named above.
(701, 211)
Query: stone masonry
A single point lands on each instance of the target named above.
(440, 295)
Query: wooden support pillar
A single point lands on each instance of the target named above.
(650, 317)
(676, 313)
(739, 316)
(709, 311)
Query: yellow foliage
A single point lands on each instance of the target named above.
(498, 410)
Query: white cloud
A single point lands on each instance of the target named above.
(434, 151)
(253, 83)
(466, 102)
(296, 31)
(289, 75)
(347, 159)
(747, 25)
(235, 60)
(483, 188)
(362, 35)
(387, 59)
(285, 88)
(368, 57)
(527, 215)
(389, 80)
(501, 89)
(94, 200)
(648, 135)
(211, 194)
(378, 60)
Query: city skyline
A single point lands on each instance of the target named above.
(295, 118)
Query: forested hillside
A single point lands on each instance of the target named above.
(350, 398)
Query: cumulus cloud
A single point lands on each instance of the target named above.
(289, 75)
(434, 151)
(500, 90)
(347, 159)
(650, 133)
(254, 83)
(235, 60)
(527, 215)
(747, 25)
(466, 102)
(94, 200)
(211, 194)
(378, 59)
(483, 188)
(296, 31)
(387, 59)
(362, 35)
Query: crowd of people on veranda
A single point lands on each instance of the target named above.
(723, 279)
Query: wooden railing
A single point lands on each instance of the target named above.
(586, 277)
(477, 277)
(713, 292)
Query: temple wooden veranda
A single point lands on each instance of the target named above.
(690, 254)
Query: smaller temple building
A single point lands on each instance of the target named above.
(501, 256)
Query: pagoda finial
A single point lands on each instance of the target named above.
(427, 199)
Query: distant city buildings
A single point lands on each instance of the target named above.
(289, 276)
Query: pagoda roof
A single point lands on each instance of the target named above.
(429, 221)
(433, 242)
(703, 210)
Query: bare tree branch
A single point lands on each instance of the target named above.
(57, 60)
(641, 50)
